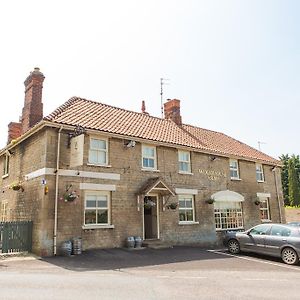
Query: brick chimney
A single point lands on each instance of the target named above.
(172, 110)
(33, 107)
(14, 131)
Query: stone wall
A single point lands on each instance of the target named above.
(39, 152)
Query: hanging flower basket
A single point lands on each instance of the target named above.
(210, 201)
(148, 204)
(172, 205)
(257, 202)
(16, 186)
(69, 197)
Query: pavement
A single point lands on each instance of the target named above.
(176, 273)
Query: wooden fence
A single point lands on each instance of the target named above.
(15, 236)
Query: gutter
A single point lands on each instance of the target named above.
(46, 123)
(56, 192)
(23, 137)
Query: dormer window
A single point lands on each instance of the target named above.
(234, 169)
(260, 173)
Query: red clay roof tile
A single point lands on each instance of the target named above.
(106, 118)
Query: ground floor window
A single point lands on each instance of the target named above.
(3, 214)
(97, 208)
(228, 215)
(186, 208)
(264, 209)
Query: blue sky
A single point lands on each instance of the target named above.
(233, 64)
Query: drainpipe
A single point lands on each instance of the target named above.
(277, 193)
(56, 191)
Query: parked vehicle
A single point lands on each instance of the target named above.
(278, 240)
(293, 223)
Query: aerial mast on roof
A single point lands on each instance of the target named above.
(162, 82)
(259, 145)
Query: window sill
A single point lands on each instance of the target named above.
(150, 170)
(188, 223)
(102, 166)
(260, 181)
(5, 176)
(230, 229)
(266, 221)
(235, 179)
(87, 227)
(185, 173)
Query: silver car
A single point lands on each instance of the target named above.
(277, 240)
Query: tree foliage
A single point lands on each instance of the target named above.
(290, 176)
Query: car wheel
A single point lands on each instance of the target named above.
(233, 246)
(289, 256)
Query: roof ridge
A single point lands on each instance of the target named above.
(60, 109)
(75, 98)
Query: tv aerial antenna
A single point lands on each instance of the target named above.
(162, 82)
(259, 145)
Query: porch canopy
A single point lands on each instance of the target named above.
(228, 195)
(155, 185)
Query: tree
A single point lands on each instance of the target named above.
(285, 178)
(293, 181)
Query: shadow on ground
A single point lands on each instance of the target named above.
(120, 258)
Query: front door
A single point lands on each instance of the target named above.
(151, 223)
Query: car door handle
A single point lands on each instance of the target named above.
(284, 240)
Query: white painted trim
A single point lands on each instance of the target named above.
(86, 174)
(97, 187)
(40, 172)
(180, 191)
(188, 223)
(87, 227)
(263, 195)
(229, 196)
(72, 173)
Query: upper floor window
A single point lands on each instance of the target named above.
(184, 160)
(186, 208)
(149, 157)
(234, 169)
(97, 208)
(6, 165)
(259, 173)
(98, 152)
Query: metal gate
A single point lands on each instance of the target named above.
(15, 236)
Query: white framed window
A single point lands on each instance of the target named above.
(3, 216)
(97, 208)
(234, 169)
(186, 209)
(6, 165)
(184, 161)
(149, 157)
(98, 152)
(264, 209)
(228, 215)
(259, 173)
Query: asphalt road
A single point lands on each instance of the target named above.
(178, 273)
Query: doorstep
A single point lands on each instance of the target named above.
(156, 244)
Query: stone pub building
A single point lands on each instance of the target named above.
(103, 173)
